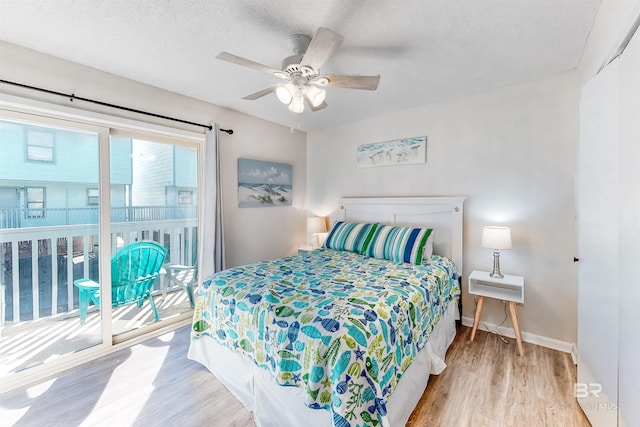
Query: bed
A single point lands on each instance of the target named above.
(346, 335)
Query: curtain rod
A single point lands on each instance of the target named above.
(106, 104)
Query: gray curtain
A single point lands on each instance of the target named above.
(211, 248)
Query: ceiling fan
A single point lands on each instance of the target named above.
(301, 71)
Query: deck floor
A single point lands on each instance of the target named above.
(32, 343)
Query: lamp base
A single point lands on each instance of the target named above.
(496, 265)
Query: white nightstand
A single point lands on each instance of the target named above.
(306, 248)
(509, 288)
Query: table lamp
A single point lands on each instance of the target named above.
(317, 226)
(496, 238)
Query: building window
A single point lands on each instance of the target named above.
(185, 197)
(40, 146)
(93, 196)
(35, 202)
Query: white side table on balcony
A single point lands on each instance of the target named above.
(181, 275)
(509, 289)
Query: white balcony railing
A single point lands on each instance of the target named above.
(39, 264)
(47, 217)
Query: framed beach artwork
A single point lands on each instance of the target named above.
(397, 152)
(264, 183)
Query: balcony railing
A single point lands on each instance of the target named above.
(39, 264)
(22, 217)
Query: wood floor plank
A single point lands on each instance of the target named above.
(486, 383)
(149, 384)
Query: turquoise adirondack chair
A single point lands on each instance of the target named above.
(134, 269)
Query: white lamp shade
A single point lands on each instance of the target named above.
(322, 237)
(496, 237)
(297, 103)
(315, 94)
(285, 93)
(317, 224)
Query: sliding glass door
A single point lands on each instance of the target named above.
(154, 195)
(74, 198)
(48, 238)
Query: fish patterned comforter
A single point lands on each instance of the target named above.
(342, 326)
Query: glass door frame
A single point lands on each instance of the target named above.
(104, 125)
(164, 139)
(36, 118)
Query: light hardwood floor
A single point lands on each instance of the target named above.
(30, 343)
(487, 383)
(153, 384)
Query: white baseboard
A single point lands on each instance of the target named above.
(574, 354)
(554, 344)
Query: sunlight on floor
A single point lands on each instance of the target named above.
(166, 337)
(33, 343)
(39, 389)
(138, 392)
(11, 416)
(124, 388)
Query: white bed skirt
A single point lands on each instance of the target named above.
(277, 406)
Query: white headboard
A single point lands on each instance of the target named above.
(443, 214)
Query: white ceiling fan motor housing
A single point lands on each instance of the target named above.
(298, 43)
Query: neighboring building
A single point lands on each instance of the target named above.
(49, 177)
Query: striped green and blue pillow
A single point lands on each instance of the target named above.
(349, 236)
(399, 244)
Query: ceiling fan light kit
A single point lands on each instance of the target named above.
(285, 93)
(302, 72)
(297, 102)
(294, 95)
(315, 95)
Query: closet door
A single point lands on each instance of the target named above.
(598, 281)
(629, 154)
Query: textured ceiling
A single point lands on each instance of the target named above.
(424, 50)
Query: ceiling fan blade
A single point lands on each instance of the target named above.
(225, 56)
(352, 81)
(323, 44)
(319, 107)
(261, 93)
(311, 107)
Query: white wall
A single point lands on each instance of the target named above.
(251, 234)
(610, 24)
(629, 154)
(262, 233)
(512, 153)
